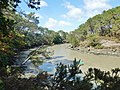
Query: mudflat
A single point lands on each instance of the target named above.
(103, 62)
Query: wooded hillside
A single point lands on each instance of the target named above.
(105, 26)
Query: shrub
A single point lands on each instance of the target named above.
(66, 77)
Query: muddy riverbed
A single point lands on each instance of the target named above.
(62, 53)
(65, 55)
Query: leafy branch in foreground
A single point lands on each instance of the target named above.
(66, 77)
(71, 78)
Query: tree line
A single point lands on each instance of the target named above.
(20, 31)
(99, 27)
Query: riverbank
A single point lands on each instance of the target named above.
(108, 52)
(104, 46)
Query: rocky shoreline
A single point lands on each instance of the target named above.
(108, 52)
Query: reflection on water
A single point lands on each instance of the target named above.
(47, 66)
(52, 63)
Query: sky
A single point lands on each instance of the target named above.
(67, 15)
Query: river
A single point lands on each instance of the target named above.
(65, 55)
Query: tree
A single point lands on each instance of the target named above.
(73, 40)
(62, 34)
(9, 37)
(57, 39)
(105, 25)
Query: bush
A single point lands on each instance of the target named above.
(99, 46)
(1, 85)
(66, 77)
(96, 45)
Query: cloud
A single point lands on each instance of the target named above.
(93, 7)
(90, 8)
(53, 23)
(43, 3)
(80, 14)
(96, 4)
(73, 12)
(64, 23)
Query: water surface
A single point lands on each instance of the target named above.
(65, 55)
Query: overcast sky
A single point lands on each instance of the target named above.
(67, 15)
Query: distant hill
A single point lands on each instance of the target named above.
(105, 26)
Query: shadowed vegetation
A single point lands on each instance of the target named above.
(19, 31)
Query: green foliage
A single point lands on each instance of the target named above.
(105, 80)
(17, 32)
(12, 4)
(20, 31)
(94, 43)
(69, 77)
(1, 85)
(57, 39)
(15, 83)
(63, 35)
(66, 77)
(37, 62)
(73, 40)
(105, 25)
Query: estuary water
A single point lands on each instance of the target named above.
(65, 55)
